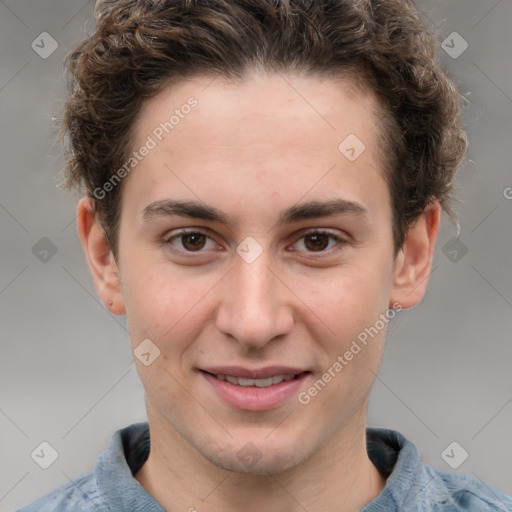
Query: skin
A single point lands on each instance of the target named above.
(253, 149)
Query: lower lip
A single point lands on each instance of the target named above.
(252, 398)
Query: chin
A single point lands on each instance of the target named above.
(254, 459)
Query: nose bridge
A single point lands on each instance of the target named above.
(254, 282)
(254, 308)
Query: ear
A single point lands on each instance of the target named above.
(101, 261)
(414, 261)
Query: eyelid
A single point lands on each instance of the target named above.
(322, 231)
(184, 231)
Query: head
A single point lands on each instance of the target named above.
(275, 104)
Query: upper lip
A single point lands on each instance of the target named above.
(253, 373)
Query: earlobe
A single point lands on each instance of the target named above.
(99, 257)
(414, 262)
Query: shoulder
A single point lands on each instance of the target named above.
(111, 481)
(460, 493)
(412, 485)
(81, 494)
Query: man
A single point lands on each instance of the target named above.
(264, 183)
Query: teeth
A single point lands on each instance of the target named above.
(263, 383)
(259, 383)
(233, 380)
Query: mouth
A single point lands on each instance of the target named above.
(254, 390)
(258, 383)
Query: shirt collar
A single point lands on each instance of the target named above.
(127, 451)
(398, 460)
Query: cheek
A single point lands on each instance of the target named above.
(353, 306)
(351, 297)
(165, 306)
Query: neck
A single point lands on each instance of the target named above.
(340, 477)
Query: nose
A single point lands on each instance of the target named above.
(256, 305)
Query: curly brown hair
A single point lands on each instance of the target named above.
(141, 46)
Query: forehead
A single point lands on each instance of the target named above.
(260, 104)
(267, 138)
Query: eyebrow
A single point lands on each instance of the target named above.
(303, 211)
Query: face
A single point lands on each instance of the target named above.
(253, 246)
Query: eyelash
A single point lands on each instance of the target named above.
(340, 242)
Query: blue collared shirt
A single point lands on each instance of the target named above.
(411, 485)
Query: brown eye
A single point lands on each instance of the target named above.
(316, 241)
(322, 242)
(190, 241)
(193, 241)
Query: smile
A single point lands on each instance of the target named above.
(259, 383)
(255, 392)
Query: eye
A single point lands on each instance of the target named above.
(319, 241)
(190, 241)
(194, 240)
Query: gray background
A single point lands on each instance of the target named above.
(66, 371)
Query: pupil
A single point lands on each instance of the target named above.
(196, 241)
(320, 242)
